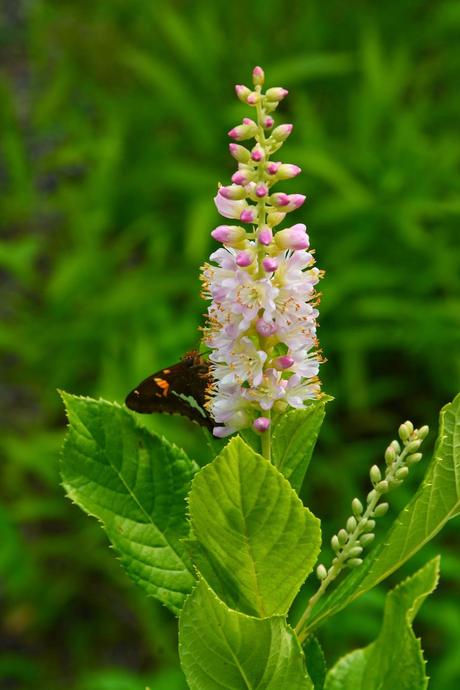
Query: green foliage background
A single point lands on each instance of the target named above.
(113, 135)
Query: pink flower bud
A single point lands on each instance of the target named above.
(288, 202)
(253, 98)
(265, 328)
(244, 131)
(269, 264)
(233, 191)
(239, 153)
(265, 236)
(276, 94)
(272, 168)
(268, 122)
(258, 76)
(240, 177)
(294, 237)
(298, 199)
(249, 122)
(248, 215)
(228, 234)
(286, 171)
(229, 208)
(257, 153)
(242, 92)
(244, 259)
(282, 132)
(261, 190)
(261, 424)
(280, 199)
(275, 218)
(284, 362)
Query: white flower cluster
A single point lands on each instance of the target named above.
(261, 327)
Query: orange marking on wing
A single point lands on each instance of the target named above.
(166, 371)
(164, 385)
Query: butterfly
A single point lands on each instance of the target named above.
(178, 389)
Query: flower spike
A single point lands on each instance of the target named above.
(261, 327)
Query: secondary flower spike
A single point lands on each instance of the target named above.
(261, 323)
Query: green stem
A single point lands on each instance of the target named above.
(261, 178)
(267, 441)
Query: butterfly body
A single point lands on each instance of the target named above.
(178, 389)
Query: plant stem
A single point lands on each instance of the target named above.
(261, 177)
(266, 436)
(267, 441)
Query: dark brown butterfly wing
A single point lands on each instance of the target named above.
(172, 390)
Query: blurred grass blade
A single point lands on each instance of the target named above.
(303, 67)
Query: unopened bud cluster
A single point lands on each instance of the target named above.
(261, 326)
(349, 543)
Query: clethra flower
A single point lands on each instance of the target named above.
(270, 264)
(245, 131)
(257, 153)
(261, 190)
(281, 133)
(261, 322)
(265, 235)
(265, 328)
(241, 177)
(287, 170)
(293, 238)
(276, 94)
(233, 191)
(229, 234)
(288, 202)
(249, 215)
(273, 167)
(239, 153)
(244, 259)
(258, 76)
(242, 92)
(230, 208)
(261, 424)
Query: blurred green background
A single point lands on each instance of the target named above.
(113, 136)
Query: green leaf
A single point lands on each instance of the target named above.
(136, 484)
(395, 660)
(222, 649)
(256, 541)
(294, 439)
(436, 501)
(315, 661)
